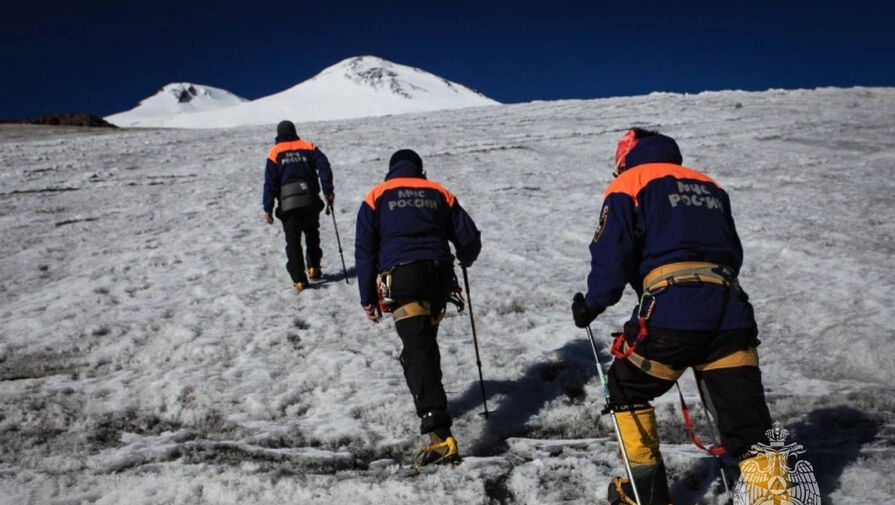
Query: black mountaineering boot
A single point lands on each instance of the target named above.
(620, 492)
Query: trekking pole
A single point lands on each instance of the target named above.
(723, 476)
(720, 465)
(709, 409)
(475, 340)
(338, 241)
(618, 433)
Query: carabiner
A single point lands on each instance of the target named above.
(649, 301)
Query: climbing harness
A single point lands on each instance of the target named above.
(660, 278)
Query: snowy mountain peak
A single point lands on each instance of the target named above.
(175, 99)
(185, 92)
(379, 74)
(361, 86)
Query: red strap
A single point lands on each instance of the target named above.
(715, 450)
(644, 312)
(619, 342)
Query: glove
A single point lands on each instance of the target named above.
(373, 313)
(581, 313)
(330, 198)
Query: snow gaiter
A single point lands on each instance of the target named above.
(641, 439)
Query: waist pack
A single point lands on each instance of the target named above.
(295, 195)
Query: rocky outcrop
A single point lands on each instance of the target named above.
(72, 119)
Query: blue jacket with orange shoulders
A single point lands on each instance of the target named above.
(408, 218)
(659, 212)
(292, 159)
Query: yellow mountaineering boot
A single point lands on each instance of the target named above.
(314, 273)
(438, 452)
(299, 286)
(637, 426)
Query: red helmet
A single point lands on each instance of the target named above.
(627, 142)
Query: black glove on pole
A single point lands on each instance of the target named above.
(581, 313)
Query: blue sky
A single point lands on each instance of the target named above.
(104, 56)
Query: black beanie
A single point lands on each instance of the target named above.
(286, 129)
(406, 155)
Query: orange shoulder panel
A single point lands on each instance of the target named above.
(406, 182)
(632, 181)
(293, 145)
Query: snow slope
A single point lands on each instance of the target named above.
(173, 100)
(363, 86)
(152, 350)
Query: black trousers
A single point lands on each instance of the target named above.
(296, 223)
(735, 396)
(423, 281)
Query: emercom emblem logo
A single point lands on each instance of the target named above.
(773, 474)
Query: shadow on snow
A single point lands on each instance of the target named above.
(542, 383)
